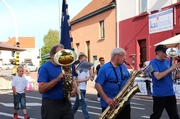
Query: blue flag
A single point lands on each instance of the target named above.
(65, 28)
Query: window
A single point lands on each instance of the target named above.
(88, 50)
(142, 6)
(78, 48)
(102, 32)
(94, 58)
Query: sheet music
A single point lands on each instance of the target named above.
(84, 66)
(148, 69)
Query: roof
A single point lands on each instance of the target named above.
(4, 46)
(93, 6)
(25, 42)
(46, 56)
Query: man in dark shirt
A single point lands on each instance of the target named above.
(102, 61)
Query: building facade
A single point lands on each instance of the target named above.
(94, 30)
(139, 26)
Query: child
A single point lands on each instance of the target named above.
(19, 84)
(82, 79)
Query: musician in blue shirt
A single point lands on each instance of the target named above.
(163, 92)
(111, 78)
(50, 79)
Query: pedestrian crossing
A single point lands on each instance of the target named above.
(96, 111)
(8, 115)
(138, 107)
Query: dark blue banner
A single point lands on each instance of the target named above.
(65, 28)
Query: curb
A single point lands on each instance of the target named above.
(5, 92)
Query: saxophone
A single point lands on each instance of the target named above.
(125, 94)
(65, 58)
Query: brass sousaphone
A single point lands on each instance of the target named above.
(65, 58)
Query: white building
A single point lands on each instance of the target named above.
(31, 54)
(130, 8)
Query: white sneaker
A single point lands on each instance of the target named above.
(98, 99)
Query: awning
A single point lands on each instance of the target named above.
(171, 42)
(4, 46)
(46, 56)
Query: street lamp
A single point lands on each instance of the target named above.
(15, 22)
(16, 31)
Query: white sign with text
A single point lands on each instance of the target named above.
(161, 21)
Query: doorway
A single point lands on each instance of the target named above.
(142, 46)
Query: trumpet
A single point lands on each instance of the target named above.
(172, 52)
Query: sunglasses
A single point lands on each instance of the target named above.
(102, 60)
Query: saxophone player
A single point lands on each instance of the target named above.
(111, 78)
(50, 79)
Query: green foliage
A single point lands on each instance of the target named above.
(43, 61)
(49, 40)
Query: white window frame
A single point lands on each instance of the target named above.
(142, 8)
(102, 29)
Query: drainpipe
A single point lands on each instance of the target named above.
(117, 24)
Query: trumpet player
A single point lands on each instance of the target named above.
(111, 77)
(50, 79)
(163, 93)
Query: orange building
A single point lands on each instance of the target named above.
(93, 30)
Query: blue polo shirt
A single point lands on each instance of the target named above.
(106, 78)
(46, 73)
(164, 86)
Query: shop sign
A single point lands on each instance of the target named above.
(161, 21)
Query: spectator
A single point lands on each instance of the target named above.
(102, 61)
(143, 65)
(19, 84)
(82, 79)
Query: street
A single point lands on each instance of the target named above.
(141, 106)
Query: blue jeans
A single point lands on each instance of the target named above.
(81, 102)
(19, 99)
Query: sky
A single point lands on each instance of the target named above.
(34, 18)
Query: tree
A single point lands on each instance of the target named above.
(49, 40)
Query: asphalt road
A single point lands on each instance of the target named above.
(141, 106)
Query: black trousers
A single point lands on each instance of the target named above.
(98, 95)
(169, 103)
(124, 114)
(56, 109)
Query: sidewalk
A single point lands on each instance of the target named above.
(5, 91)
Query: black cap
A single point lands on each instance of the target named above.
(161, 48)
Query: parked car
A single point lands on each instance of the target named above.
(30, 67)
(7, 66)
